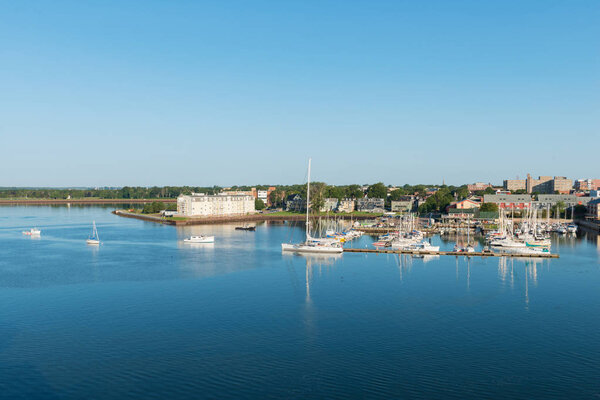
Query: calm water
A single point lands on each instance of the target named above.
(145, 316)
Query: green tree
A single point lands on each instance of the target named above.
(461, 193)
(377, 191)
(489, 207)
(259, 204)
(354, 192)
(489, 190)
(397, 194)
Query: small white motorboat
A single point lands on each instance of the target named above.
(33, 232)
(200, 239)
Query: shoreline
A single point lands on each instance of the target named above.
(81, 201)
(227, 219)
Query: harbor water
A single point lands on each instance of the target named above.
(145, 315)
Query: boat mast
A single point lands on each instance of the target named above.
(308, 201)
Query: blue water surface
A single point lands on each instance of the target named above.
(145, 316)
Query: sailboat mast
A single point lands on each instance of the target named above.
(308, 199)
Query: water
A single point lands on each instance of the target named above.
(145, 316)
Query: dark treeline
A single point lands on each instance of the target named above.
(126, 192)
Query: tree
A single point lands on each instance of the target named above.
(489, 190)
(377, 191)
(461, 193)
(259, 204)
(489, 207)
(354, 192)
(437, 202)
(397, 194)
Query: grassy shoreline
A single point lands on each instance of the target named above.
(258, 217)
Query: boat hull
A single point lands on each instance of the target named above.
(208, 239)
(300, 248)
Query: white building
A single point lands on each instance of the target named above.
(199, 204)
(263, 195)
(329, 205)
(346, 205)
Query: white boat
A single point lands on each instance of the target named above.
(507, 242)
(94, 238)
(312, 245)
(465, 249)
(33, 232)
(572, 228)
(423, 246)
(200, 239)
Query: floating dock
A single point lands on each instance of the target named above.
(449, 253)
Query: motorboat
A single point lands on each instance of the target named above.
(245, 228)
(200, 239)
(572, 228)
(33, 232)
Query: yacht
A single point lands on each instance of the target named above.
(423, 246)
(200, 239)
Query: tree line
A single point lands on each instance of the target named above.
(437, 202)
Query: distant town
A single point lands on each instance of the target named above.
(558, 197)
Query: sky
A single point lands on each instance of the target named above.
(114, 93)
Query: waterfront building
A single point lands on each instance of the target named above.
(509, 201)
(593, 209)
(570, 200)
(404, 204)
(295, 202)
(478, 186)
(373, 205)
(329, 205)
(200, 204)
(346, 205)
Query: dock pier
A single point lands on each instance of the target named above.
(449, 253)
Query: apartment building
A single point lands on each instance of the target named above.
(199, 204)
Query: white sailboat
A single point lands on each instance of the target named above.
(94, 238)
(312, 245)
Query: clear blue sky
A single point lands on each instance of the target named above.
(96, 93)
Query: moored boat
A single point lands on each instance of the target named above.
(200, 239)
(94, 238)
(33, 232)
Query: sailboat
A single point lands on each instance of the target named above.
(312, 245)
(94, 238)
